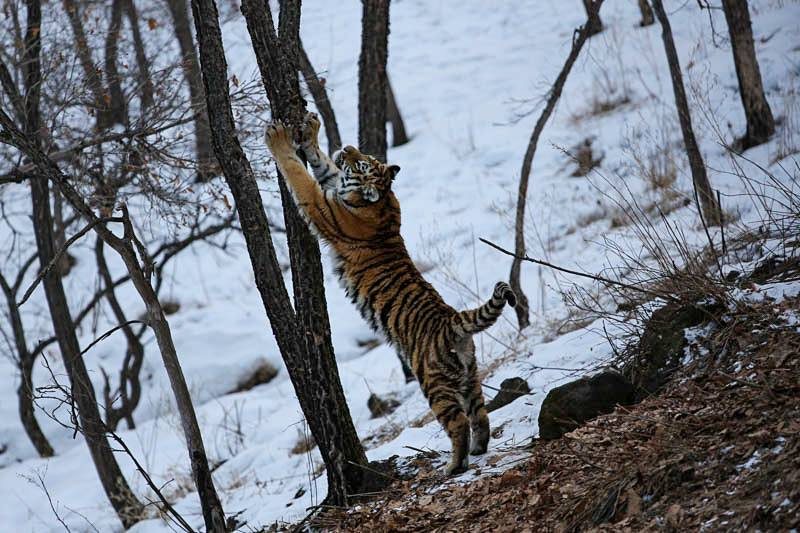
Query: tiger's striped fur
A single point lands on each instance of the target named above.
(352, 207)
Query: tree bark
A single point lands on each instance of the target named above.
(708, 203)
(647, 14)
(594, 25)
(399, 136)
(307, 350)
(206, 163)
(760, 123)
(581, 34)
(320, 95)
(125, 503)
(372, 79)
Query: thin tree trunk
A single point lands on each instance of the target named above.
(206, 163)
(27, 413)
(92, 77)
(129, 385)
(125, 503)
(647, 14)
(594, 25)
(372, 79)
(760, 123)
(708, 202)
(142, 63)
(117, 107)
(523, 308)
(399, 136)
(306, 350)
(320, 95)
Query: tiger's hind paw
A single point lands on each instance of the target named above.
(503, 291)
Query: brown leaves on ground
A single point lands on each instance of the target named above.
(718, 451)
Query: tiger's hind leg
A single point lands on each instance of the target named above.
(476, 411)
(444, 398)
(472, 395)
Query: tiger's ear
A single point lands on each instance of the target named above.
(391, 171)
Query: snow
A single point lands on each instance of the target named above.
(467, 78)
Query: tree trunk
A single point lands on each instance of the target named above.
(206, 163)
(523, 307)
(130, 389)
(647, 14)
(125, 503)
(760, 123)
(372, 79)
(117, 107)
(116, 487)
(320, 95)
(27, 413)
(142, 63)
(306, 350)
(708, 203)
(393, 115)
(594, 25)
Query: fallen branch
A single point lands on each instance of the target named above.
(601, 279)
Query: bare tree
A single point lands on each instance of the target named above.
(578, 39)
(760, 123)
(372, 79)
(317, 89)
(127, 247)
(594, 25)
(647, 14)
(306, 350)
(708, 202)
(125, 503)
(399, 136)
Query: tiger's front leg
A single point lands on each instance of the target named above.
(325, 170)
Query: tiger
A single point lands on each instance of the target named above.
(349, 204)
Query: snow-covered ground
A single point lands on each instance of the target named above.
(468, 77)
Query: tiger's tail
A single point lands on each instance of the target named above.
(478, 319)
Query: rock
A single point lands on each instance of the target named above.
(660, 349)
(263, 373)
(510, 390)
(570, 405)
(381, 407)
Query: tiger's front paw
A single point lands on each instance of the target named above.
(279, 139)
(310, 130)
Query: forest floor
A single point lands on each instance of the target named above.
(718, 449)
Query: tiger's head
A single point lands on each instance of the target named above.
(363, 180)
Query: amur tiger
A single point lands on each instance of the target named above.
(351, 206)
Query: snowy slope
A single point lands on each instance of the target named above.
(468, 76)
